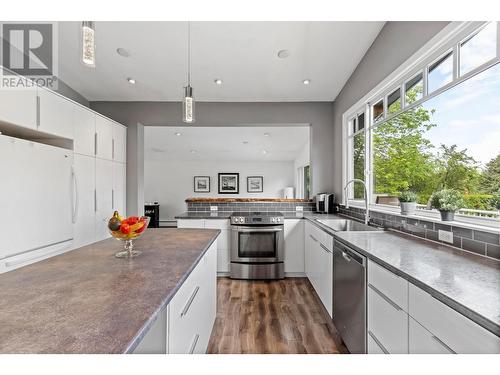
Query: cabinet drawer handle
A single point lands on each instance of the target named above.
(387, 299)
(95, 143)
(190, 301)
(313, 238)
(378, 342)
(193, 344)
(438, 340)
(346, 257)
(325, 248)
(37, 111)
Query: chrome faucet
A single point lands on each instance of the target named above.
(367, 212)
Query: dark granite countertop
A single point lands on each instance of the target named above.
(468, 283)
(88, 301)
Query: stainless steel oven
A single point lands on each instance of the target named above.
(257, 250)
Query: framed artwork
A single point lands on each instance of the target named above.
(201, 184)
(255, 184)
(229, 183)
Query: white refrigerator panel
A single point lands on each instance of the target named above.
(36, 196)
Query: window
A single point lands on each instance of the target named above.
(303, 190)
(394, 101)
(378, 111)
(478, 49)
(450, 141)
(357, 151)
(445, 139)
(307, 182)
(440, 72)
(414, 89)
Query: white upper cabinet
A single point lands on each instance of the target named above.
(119, 188)
(18, 106)
(55, 114)
(119, 143)
(84, 122)
(103, 138)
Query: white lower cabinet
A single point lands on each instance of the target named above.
(192, 309)
(452, 330)
(294, 246)
(319, 263)
(421, 341)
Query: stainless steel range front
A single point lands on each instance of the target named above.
(257, 250)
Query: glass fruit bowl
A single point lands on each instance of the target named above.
(127, 230)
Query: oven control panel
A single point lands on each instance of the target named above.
(256, 220)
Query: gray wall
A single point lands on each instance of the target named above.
(68, 92)
(396, 42)
(318, 114)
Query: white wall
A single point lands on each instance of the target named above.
(171, 182)
(303, 159)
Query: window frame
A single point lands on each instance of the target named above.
(448, 40)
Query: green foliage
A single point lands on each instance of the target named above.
(407, 196)
(479, 201)
(447, 200)
(457, 170)
(495, 200)
(359, 163)
(490, 179)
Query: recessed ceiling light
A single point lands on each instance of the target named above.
(122, 52)
(178, 134)
(218, 81)
(264, 152)
(245, 142)
(193, 151)
(306, 81)
(131, 81)
(154, 149)
(283, 54)
(266, 134)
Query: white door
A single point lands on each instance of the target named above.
(18, 106)
(56, 114)
(294, 245)
(84, 121)
(119, 143)
(104, 138)
(119, 188)
(104, 197)
(84, 220)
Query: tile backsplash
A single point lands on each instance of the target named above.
(250, 206)
(476, 241)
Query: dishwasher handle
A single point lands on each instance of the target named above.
(349, 254)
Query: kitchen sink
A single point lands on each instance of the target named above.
(346, 225)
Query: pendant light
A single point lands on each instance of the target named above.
(88, 43)
(188, 100)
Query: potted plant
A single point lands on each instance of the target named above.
(408, 202)
(447, 201)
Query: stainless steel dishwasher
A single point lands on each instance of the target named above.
(349, 296)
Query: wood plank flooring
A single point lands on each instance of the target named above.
(283, 316)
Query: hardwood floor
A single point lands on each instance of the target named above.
(283, 316)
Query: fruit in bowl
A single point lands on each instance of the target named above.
(127, 229)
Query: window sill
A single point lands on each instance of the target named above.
(483, 224)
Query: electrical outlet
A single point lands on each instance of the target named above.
(299, 208)
(214, 208)
(444, 235)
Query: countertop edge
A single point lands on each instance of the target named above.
(147, 326)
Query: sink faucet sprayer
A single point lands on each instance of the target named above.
(367, 212)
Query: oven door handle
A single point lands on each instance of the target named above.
(263, 230)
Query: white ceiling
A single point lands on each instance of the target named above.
(224, 143)
(242, 54)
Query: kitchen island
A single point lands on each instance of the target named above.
(88, 301)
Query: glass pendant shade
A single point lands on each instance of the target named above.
(88, 43)
(188, 105)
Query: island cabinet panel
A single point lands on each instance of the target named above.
(453, 330)
(192, 309)
(294, 246)
(155, 341)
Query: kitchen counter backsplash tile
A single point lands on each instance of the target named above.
(250, 206)
(476, 241)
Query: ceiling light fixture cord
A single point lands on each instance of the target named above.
(189, 53)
